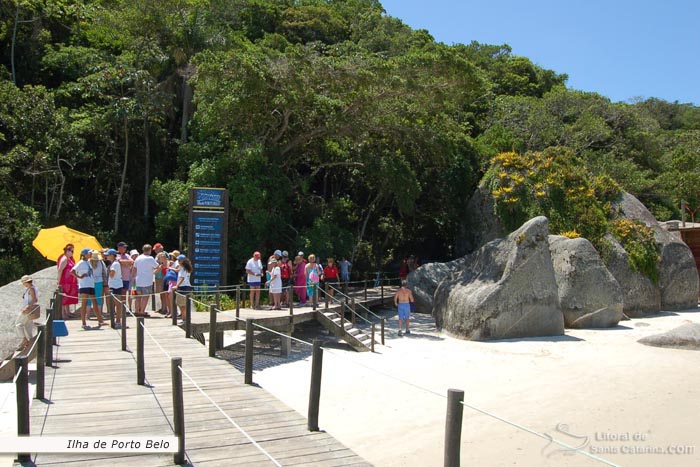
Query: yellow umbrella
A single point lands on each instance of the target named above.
(50, 242)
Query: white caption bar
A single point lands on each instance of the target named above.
(87, 444)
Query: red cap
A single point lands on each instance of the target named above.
(157, 245)
(256, 254)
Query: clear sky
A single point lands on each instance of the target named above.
(622, 49)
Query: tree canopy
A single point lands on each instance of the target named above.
(336, 128)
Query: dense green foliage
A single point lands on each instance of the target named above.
(336, 128)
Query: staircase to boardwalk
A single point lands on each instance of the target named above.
(330, 319)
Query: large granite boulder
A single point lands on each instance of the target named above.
(678, 275)
(640, 295)
(506, 289)
(424, 280)
(480, 225)
(686, 336)
(589, 296)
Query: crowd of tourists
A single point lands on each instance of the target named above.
(280, 273)
(128, 276)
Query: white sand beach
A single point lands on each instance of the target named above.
(632, 404)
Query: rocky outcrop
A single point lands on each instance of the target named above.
(589, 296)
(678, 285)
(686, 337)
(424, 280)
(479, 225)
(506, 289)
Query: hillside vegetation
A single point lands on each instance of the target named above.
(336, 128)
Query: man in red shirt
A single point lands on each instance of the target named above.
(286, 274)
(330, 275)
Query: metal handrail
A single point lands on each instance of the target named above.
(359, 304)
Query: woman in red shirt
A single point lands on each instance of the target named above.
(330, 275)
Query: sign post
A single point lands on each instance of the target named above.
(208, 236)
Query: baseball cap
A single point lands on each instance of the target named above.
(157, 245)
(111, 251)
(278, 253)
(301, 253)
(85, 251)
(285, 253)
(122, 244)
(181, 257)
(272, 261)
(256, 254)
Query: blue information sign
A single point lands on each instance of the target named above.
(208, 236)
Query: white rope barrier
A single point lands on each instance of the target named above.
(238, 427)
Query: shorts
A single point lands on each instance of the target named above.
(181, 297)
(404, 311)
(254, 284)
(171, 284)
(286, 283)
(125, 284)
(144, 290)
(87, 291)
(119, 291)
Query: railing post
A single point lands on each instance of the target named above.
(352, 315)
(383, 324)
(153, 302)
(188, 316)
(173, 307)
(212, 330)
(365, 289)
(110, 308)
(453, 427)
(381, 286)
(40, 368)
(124, 326)
(291, 300)
(315, 390)
(249, 336)
(22, 390)
(56, 314)
(218, 297)
(178, 409)
(315, 296)
(140, 363)
(238, 301)
(48, 348)
(325, 289)
(342, 316)
(373, 332)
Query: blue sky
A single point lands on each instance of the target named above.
(621, 49)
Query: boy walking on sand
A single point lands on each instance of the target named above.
(402, 300)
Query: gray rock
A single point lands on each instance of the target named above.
(686, 336)
(11, 304)
(640, 295)
(424, 280)
(589, 296)
(506, 289)
(480, 225)
(678, 275)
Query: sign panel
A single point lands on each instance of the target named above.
(208, 236)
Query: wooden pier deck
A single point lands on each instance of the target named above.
(92, 391)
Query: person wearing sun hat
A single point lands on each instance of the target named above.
(86, 287)
(275, 282)
(24, 327)
(116, 287)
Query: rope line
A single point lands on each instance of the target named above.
(238, 427)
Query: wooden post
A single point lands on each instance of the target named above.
(286, 342)
(342, 316)
(173, 307)
(140, 364)
(56, 314)
(291, 300)
(110, 308)
(383, 324)
(453, 427)
(212, 330)
(124, 326)
(365, 289)
(153, 302)
(218, 297)
(188, 316)
(314, 300)
(178, 409)
(315, 390)
(40, 368)
(373, 332)
(352, 315)
(48, 348)
(238, 301)
(381, 286)
(22, 390)
(249, 336)
(325, 289)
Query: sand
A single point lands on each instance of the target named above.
(603, 390)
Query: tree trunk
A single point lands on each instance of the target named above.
(186, 103)
(370, 208)
(120, 194)
(147, 171)
(12, 49)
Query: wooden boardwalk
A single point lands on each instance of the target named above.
(92, 391)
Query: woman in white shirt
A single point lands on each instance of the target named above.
(275, 283)
(183, 286)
